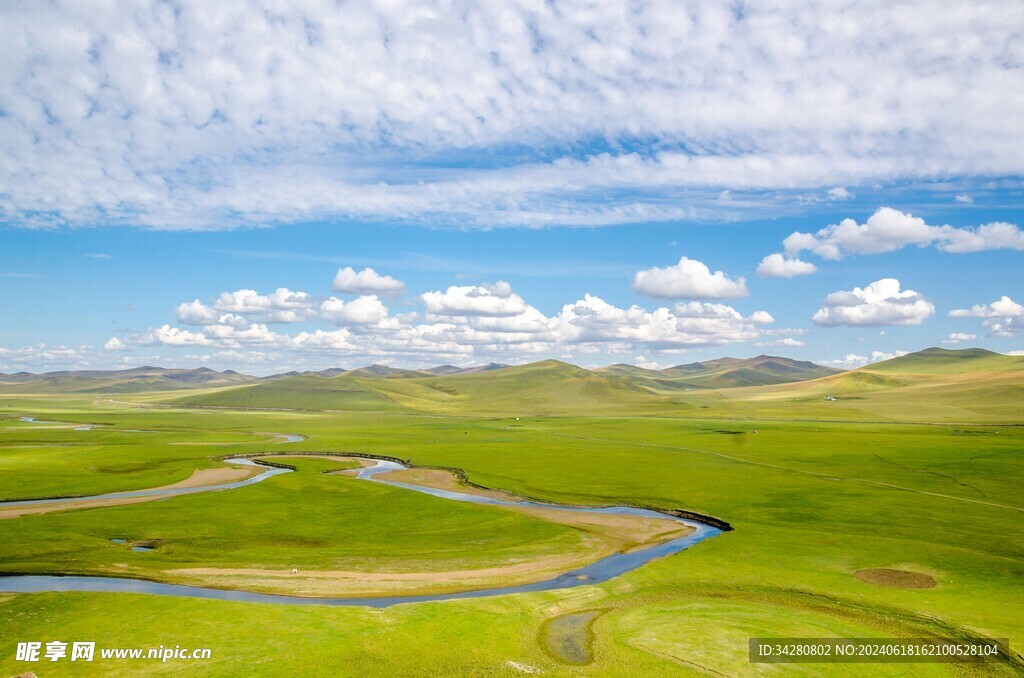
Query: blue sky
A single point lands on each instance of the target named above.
(186, 187)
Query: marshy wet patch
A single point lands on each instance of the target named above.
(570, 637)
(895, 579)
(144, 546)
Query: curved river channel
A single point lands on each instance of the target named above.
(598, 571)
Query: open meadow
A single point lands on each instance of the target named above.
(828, 508)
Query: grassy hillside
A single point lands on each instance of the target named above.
(548, 387)
(720, 373)
(136, 380)
(947, 361)
(934, 385)
(735, 372)
(297, 393)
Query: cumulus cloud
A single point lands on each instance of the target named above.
(1003, 317)
(888, 230)
(366, 281)
(115, 344)
(593, 320)
(175, 116)
(880, 303)
(853, 360)
(476, 300)
(839, 193)
(788, 342)
(488, 322)
(172, 336)
(780, 266)
(196, 313)
(958, 337)
(365, 310)
(689, 279)
(45, 357)
(281, 306)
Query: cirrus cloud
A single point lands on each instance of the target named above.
(175, 116)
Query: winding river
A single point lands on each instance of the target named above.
(598, 571)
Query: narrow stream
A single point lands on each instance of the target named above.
(596, 572)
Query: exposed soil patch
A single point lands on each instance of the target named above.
(199, 478)
(440, 480)
(16, 511)
(215, 476)
(895, 579)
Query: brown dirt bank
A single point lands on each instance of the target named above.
(199, 478)
(895, 579)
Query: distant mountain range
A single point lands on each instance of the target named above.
(548, 386)
(719, 373)
(931, 385)
(723, 373)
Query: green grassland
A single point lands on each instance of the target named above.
(308, 519)
(300, 392)
(915, 467)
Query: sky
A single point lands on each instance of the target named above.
(267, 186)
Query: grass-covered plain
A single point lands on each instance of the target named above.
(813, 499)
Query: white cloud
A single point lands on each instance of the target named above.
(888, 230)
(365, 310)
(592, 320)
(853, 360)
(689, 279)
(98, 255)
(880, 303)
(176, 116)
(997, 235)
(366, 281)
(485, 300)
(1016, 353)
(196, 313)
(281, 306)
(957, 337)
(963, 198)
(115, 344)
(251, 301)
(483, 322)
(780, 266)
(43, 357)
(789, 342)
(1003, 318)
(172, 336)
(839, 193)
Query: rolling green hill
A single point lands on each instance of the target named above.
(950, 361)
(933, 385)
(721, 373)
(548, 387)
(135, 380)
(297, 393)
